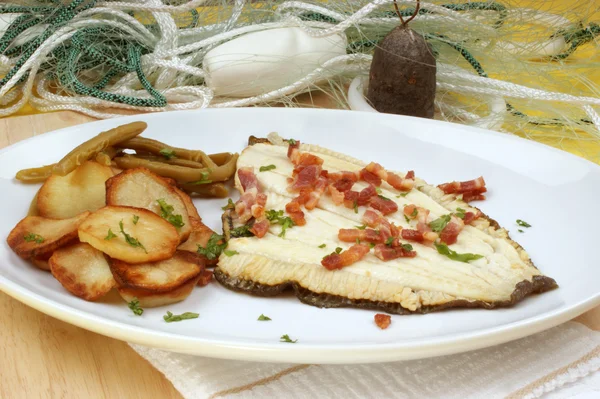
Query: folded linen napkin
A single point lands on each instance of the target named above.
(560, 363)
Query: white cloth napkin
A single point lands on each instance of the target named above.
(558, 363)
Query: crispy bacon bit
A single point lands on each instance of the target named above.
(305, 179)
(316, 194)
(372, 217)
(452, 230)
(392, 179)
(260, 228)
(385, 206)
(471, 190)
(350, 199)
(419, 235)
(471, 216)
(247, 178)
(421, 213)
(370, 178)
(333, 177)
(343, 184)
(345, 258)
(336, 196)
(294, 150)
(387, 253)
(205, 278)
(293, 209)
(366, 194)
(367, 235)
(383, 321)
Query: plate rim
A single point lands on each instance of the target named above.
(305, 352)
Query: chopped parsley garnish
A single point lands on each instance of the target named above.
(322, 246)
(230, 205)
(414, 213)
(290, 141)
(355, 206)
(135, 219)
(384, 198)
(203, 180)
(230, 253)
(242, 231)
(466, 257)
(130, 240)
(170, 317)
(520, 231)
(110, 235)
(402, 195)
(266, 168)
(407, 247)
(166, 212)
(338, 250)
(286, 338)
(440, 223)
(134, 305)
(377, 190)
(389, 241)
(407, 219)
(460, 213)
(262, 317)
(167, 153)
(523, 223)
(364, 226)
(358, 241)
(276, 217)
(29, 237)
(214, 247)
(371, 245)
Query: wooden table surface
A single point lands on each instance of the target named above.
(43, 357)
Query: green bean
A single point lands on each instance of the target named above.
(35, 175)
(105, 156)
(155, 147)
(172, 161)
(216, 190)
(90, 148)
(180, 173)
(221, 158)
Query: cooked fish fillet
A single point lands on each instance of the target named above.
(429, 281)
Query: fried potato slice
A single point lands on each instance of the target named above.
(200, 235)
(62, 197)
(133, 235)
(191, 209)
(82, 270)
(38, 237)
(157, 283)
(41, 264)
(143, 189)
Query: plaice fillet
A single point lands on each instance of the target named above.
(430, 281)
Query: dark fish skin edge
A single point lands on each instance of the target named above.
(524, 288)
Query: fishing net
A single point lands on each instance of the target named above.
(525, 67)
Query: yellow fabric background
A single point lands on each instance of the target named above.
(585, 54)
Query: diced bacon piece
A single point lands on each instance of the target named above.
(471, 190)
(367, 235)
(258, 209)
(450, 233)
(243, 207)
(399, 183)
(428, 235)
(350, 199)
(305, 179)
(333, 177)
(418, 236)
(410, 175)
(468, 197)
(385, 206)
(343, 184)
(372, 217)
(377, 170)
(316, 194)
(416, 212)
(336, 196)
(366, 194)
(247, 178)
(386, 252)
(293, 151)
(325, 174)
(383, 321)
(260, 227)
(293, 209)
(471, 216)
(370, 178)
(345, 258)
(305, 160)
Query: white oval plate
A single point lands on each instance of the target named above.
(554, 191)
